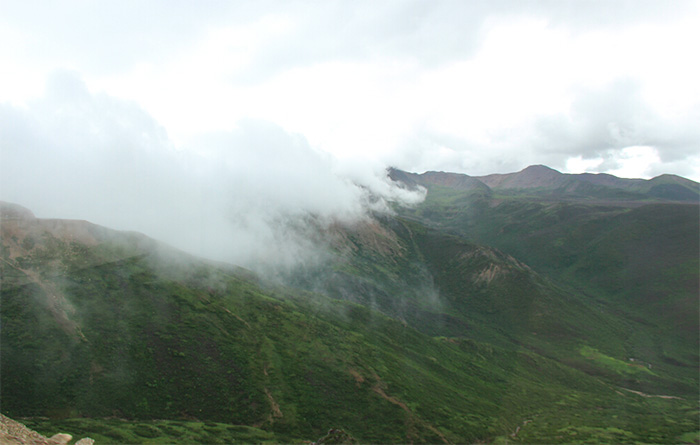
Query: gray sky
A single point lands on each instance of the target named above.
(470, 86)
(110, 109)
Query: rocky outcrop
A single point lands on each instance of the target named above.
(15, 433)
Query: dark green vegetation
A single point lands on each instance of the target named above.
(107, 431)
(636, 257)
(581, 327)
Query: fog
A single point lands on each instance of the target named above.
(250, 196)
(476, 87)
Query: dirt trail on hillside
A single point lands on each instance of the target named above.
(411, 418)
(651, 395)
(276, 411)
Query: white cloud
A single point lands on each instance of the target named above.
(475, 86)
(580, 165)
(239, 195)
(628, 162)
(634, 162)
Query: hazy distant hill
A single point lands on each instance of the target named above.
(540, 180)
(622, 245)
(493, 311)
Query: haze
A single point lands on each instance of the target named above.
(213, 125)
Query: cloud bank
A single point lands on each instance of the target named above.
(243, 196)
(471, 86)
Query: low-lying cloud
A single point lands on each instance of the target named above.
(242, 196)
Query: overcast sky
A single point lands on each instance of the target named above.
(310, 98)
(470, 86)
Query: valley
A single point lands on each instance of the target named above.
(532, 307)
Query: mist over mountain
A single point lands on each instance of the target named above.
(228, 195)
(533, 306)
(350, 222)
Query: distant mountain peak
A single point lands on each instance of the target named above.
(530, 177)
(540, 168)
(546, 181)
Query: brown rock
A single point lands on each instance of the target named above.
(15, 433)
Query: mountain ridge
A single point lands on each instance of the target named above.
(543, 179)
(481, 314)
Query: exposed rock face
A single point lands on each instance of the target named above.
(15, 433)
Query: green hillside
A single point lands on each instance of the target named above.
(411, 334)
(634, 260)
(444, 285)
(639, 253)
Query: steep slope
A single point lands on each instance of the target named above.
(634, 259)
(98, 323)
(444, 285)
(136, 334)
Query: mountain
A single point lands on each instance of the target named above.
(636, 258)
(535, 176)
(641, 252)
(547, 183)
(482, 314)
(445, 285)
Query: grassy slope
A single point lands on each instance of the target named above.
(637, 263)
(489, 296)
(107, 330)
(209, 345)
(627, 248)
(443, 285)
